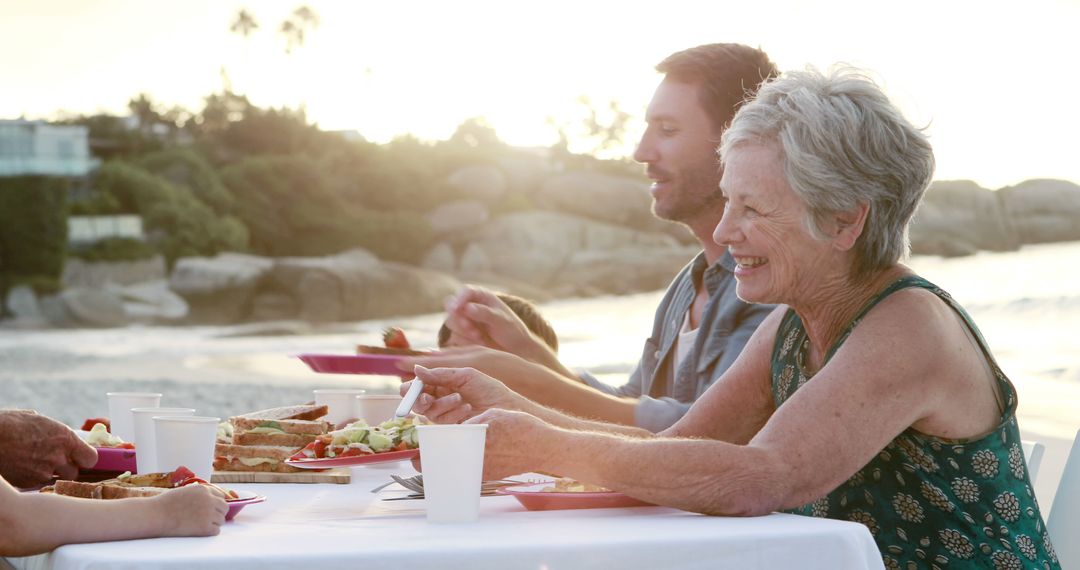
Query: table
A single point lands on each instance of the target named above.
(337, 526)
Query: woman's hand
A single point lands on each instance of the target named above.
(452, 395)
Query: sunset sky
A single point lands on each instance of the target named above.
(995, 82)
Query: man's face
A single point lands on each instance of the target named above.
(679, 153)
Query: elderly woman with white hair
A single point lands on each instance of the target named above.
(868, 395)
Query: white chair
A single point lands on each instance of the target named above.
(1064, 521)
(1033, 453)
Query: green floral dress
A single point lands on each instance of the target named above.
(931, 502)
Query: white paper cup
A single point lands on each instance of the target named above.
(452, 458)
(187, 441)
(120, 404)
(376, 409)
(145, 443)
(341, 401)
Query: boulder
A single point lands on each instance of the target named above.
(474, 260)
(94, 307)
(533, 247)
(456, 217)
(150, 301)
(479, 181)
(617, 200)
(394, 289)
(81, 273)
(22, 303)
(625, 270)
(273, 307)
(959, 216)
(219, 289)
(440, 258)
(1043, 210)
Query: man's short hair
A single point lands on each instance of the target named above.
(727, 75)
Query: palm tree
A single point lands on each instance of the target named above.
(244, 24)
(295, 28)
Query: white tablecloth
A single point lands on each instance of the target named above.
(338, 526)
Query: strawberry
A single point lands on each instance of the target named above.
(394, 337)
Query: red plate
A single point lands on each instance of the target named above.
(534, 499)
(115, 459)
(350, 461)
(245, 498)
(381, 364)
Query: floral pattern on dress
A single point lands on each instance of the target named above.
(1005, 560)
(866, 519)
(785, 378)
(1007, 506)
(936, 497)
(985, 463)
(820, 507)
(908, 508)
(918, 455)
(965, 489)
(1016, 461)
(1026, 546)
(956, 543)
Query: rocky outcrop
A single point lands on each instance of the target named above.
(456, 217)
(1043, 210)
(959, 218)
(219, 289)
(81, 273)
(481, 182)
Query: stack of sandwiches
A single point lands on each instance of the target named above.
(263, 440)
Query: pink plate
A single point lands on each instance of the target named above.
(115, 459)
(382, 364)
(534, 499)
(350, 461)
(246, 498)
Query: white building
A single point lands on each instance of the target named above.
(38, 148)
(89, 229)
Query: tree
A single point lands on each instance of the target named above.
(296, 27)
(244, 24)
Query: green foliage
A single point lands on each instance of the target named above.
(178, 222)
(114, 249)
(33, 229)
(184, 166)
(290, 209)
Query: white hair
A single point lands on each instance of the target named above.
(843, 143)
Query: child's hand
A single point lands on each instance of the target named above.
(190, 511)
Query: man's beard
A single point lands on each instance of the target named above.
(683, 206)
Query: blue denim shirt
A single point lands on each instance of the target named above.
(726, 325)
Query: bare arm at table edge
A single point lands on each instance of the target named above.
(871, 390)
(39, 522)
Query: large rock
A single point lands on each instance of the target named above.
(456, 217)
(440, 258)
(80, 273)
(617, 200)
(533, 247)
(22, 303)
(150, 301)
(1043, 210)
(394, 289)
(481, 182)
(219, 289)
(94, 307)
(960, 217)
(623, 271)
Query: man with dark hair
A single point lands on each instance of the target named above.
(700, 326)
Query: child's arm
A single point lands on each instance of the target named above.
(36, 522)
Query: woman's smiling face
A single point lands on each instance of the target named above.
(765, 229)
